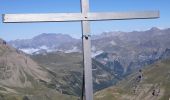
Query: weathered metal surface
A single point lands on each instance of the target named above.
(60, 17)
(87, 51)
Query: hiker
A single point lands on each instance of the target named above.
(158, 91)
(134, 89)
(139, 78)
(153, 93)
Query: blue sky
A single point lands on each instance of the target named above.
(20, 31)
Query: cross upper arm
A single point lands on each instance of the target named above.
(60, 17)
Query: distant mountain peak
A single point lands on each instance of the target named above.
(46, 41)
(155, 29)
(47, 34)
(52, 35)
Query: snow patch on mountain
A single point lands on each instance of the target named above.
(44, 47)
(74, 49)
(113, 43)
(93, 48)
(29, 50)
(94, 54)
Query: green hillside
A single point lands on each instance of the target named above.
(67, 71)
(156, 77)
(36, 93)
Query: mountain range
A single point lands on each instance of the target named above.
(52, 64)
(47, 42)
(130, 49)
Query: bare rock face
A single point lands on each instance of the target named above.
(2, 42)
(23, 79)
(17, 69)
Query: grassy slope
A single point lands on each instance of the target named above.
(38, 90)
(40, 96)
(158, 73)
(60, 62)
(68, 71)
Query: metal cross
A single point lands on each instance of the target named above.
(85, 16)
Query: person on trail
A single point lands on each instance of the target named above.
(139, 78)
(158, 90)
(134, 89)
(137, 81)
(153, 93)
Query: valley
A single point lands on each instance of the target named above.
(50, 66)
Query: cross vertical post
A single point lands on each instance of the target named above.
(88, 79)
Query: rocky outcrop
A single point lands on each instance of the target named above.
(17, 69)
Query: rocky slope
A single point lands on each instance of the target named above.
(153, 86)
(15, 67)
(132, 49)
(23, 79)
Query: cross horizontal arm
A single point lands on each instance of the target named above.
(124, 15)
(49, 17)
(60, 17)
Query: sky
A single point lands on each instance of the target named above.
(12, 31)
